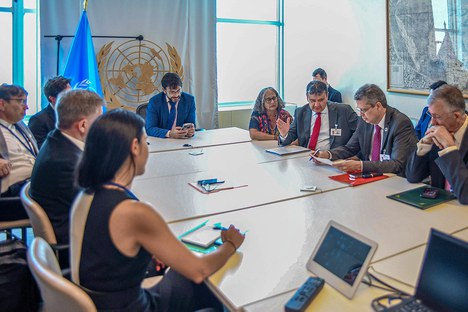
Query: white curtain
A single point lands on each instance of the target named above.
(188, 26)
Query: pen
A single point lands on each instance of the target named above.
(314, 154)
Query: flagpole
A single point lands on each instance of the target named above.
(85, 5)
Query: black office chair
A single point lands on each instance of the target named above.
(141, 110)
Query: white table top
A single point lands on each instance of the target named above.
(266, 183)
(201, 139)
(214, 157)
(281, 236)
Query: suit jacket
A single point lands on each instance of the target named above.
(423, 123)
(452, 166)
(4, 147)
(341, 115)
(53, 181)
(334, 95)
(398, 142)
(157, 114)
(42, 123)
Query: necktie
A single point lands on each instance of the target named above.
(315, 132)
(172, 114)
(447, 186)
(376, 145)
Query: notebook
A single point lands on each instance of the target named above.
(413, 197)
(443, 278)
(287, 150)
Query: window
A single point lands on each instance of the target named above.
(19, 53)
(249, 48)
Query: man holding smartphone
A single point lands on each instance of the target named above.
(171, 113)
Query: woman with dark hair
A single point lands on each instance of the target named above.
(267, 109)
(121, 233)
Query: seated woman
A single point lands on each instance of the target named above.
(267, 109)
(121, 233)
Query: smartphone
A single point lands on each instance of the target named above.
(187, 125)
(430, 193)
(309, 188)
(354, 176)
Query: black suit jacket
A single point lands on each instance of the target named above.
(398, 142)
(452, 166)
(334, 95)
(42, 123)
(341, 116)
(52, 181)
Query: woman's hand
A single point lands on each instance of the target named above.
(232, 236)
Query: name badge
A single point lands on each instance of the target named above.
(335, 132)
(384, 157)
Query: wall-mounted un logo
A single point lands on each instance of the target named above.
(131, 72)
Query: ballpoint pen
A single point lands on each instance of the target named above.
(314, 154)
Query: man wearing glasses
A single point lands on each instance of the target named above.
(320, 124)
(18, 148)
(383, 141)
(443, 151)
(171, 113)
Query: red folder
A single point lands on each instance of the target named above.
(344, 178)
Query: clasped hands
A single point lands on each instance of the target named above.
(182, 133)
(440, 136)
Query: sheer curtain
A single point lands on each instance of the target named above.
(188, 26)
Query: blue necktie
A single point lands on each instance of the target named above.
(172, 114)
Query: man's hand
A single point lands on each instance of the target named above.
(5, 167)
(190, 130)
(178, 133)
(440, 136)
(283, 127)
(349, 166)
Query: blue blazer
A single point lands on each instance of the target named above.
(158, 113)
(334, 95)
(423, 123)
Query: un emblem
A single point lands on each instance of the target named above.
(131, 72)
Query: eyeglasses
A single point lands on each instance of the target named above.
(270, 99)
(174, 92)
(19, 100)
(365, 110)
(437, 117)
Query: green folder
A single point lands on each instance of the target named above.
(413, 197)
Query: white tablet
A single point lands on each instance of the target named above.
(341, 257)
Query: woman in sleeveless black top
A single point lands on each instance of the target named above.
(121, 233)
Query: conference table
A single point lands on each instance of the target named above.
(283, 223)
(205, 138)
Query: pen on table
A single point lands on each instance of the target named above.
(314, 154)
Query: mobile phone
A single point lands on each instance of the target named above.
(430, 193)
(309, 188)
(354, 176)
(187, 125)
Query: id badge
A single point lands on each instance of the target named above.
(335, 132)
(384, 157)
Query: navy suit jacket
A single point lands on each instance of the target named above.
(157, 114)
(42, 123)
(452, 166)
(334, 95)
(398, 142)
(343, 116)
(53, 181)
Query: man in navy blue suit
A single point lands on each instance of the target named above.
(333, 94)
(425, 118)
(43, 122)
(171, 113)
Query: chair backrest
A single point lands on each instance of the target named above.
(39, 220)
(141, 110)
(58, 293)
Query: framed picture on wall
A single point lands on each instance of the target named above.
(427, 41)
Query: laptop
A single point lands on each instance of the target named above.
(443, 279)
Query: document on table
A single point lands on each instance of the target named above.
(327, 161)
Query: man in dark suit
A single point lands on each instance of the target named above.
(43, 122)
(52, 180)
(171, 113)
(383, 140)
(18, 148)
(333, 94)
(442, 153)
(337, 122)
(425, 119)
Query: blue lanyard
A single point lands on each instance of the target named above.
(29, 145)
(126, 190)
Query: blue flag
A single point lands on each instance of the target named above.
(81, 65)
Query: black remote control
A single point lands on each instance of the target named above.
(304, 295)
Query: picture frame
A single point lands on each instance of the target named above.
(427, 41)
